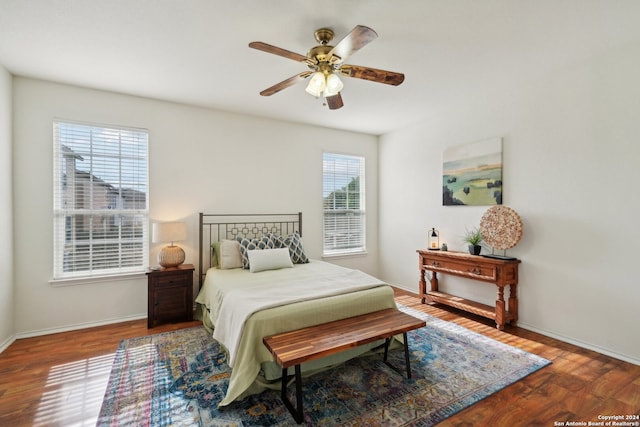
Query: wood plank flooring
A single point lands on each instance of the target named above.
(60, 379)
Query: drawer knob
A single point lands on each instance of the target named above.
(435, 264)
(476, 270)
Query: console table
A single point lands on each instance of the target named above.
(500, 272)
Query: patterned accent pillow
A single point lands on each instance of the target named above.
(247, 245)
(278, 242)
(294, 243)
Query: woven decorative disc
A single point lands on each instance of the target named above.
(501, 227)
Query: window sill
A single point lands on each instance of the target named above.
(95, 279)
(345, 255)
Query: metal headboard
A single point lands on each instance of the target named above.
(216, 227)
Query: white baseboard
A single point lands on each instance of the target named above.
(7, 343)
(579, 343)
(75, 327)
(563, 338)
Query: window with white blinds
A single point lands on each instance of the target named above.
(343, 203)
(100, 197)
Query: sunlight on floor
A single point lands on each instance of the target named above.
(73, 393)
(137, 376)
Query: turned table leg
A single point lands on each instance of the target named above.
(423, 286)
(434, 281)
(500, 309)
(513, 303)
(433, 287)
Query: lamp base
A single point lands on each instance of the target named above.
(171, 256)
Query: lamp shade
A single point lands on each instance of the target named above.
(164, 232)
(316, 84)
(334, 85)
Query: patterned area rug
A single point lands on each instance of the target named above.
(177, 378)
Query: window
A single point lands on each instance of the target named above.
(343, 204)
(100, 203)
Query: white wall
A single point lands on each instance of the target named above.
(571, 166)
(6, 213)
(571, 156)
(200, 161)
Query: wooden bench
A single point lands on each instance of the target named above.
(303, 345)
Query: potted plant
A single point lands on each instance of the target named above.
(473, 237)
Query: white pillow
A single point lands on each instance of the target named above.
(269, 259)
(229, 256)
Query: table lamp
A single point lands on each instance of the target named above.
(171, 255)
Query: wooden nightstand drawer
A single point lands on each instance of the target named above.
(172, 279)
(170, 295)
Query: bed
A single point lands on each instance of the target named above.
(242, 305)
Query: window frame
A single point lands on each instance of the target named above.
(121, 206)
(347, 178)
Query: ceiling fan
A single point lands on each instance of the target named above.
(327, 63)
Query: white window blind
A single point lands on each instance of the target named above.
(100, 196)
(344, 204)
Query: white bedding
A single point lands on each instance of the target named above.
(311, 294)
(237, 295)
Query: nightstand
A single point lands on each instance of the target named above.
(170, 295)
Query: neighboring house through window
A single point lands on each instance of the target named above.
(100, 196)
(343, 204)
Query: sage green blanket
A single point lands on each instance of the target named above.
(254, 368)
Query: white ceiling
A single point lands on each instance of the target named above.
(195, 51)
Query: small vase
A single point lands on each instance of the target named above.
(475, 249)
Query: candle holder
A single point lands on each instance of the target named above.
(433, 241)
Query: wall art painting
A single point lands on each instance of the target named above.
(472, 174)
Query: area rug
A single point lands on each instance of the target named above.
(177, 378)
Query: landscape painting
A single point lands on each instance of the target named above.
(472, 174)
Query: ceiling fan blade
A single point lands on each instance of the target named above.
(359, 37)
(278, 51)
(334, 102)
(372, 74)
(286, 83)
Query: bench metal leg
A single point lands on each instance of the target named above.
(387, 341)
(297, 413)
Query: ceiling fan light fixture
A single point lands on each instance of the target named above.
(317, 84)
(334, 85)
(326, 65)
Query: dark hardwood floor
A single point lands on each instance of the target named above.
(60, 379)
